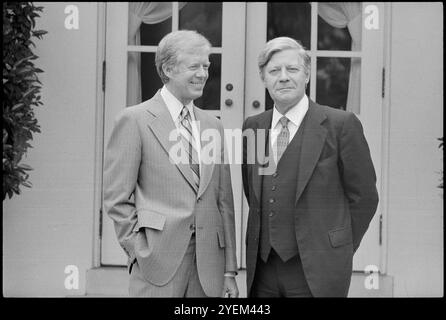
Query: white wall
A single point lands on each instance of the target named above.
(415, 217)
(51, 225)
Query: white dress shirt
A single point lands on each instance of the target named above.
(295, 115)
(175, 106)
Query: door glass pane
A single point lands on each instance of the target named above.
(338, 83)
(339, 26)
(150, 81)
(205, 18)
(210, 100)
(331, 38)
(290, 20)
(151, 34)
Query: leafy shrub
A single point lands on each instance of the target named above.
(20, 91)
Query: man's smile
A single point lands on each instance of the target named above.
(198, 84)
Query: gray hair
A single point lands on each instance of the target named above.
(173, 44)
(279, 44)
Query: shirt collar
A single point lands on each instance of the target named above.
(174, 105)
(294, 114)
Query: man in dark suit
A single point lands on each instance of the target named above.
(311, 205)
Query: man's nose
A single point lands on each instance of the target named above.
(283, 76)
(202, 72)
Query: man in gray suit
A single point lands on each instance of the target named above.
(174, 219)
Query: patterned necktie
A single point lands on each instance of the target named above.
(189, 142)
(283, 137)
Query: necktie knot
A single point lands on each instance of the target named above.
(185, 114)
(283, 137)
(284, 121)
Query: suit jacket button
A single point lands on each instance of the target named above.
(271, 200)
(275, 174)
(199, 199)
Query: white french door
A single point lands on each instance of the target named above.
(332, 58)
(237, 31)
(224, 25)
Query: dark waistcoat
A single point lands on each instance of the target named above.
(278, 203)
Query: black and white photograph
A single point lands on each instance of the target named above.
(222, 150)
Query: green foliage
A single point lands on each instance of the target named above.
(21, 88)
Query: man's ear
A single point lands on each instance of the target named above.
(167, 70)
(262, 78)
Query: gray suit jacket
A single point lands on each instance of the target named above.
(153, 201)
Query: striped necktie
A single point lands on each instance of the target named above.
(189, 143)
(283, 137)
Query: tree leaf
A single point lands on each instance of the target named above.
(22, 60)
(17, 106)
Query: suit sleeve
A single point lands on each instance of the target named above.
(226, 207)
(121, 166)
(359, 178)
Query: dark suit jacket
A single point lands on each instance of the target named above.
(336, 197)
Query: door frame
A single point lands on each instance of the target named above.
(385, 151)
(99, 137)
(249, 87)
(371, 113)
(232, 71)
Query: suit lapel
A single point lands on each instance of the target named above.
(313, 140)
(206, 168)
(257, 178)
(162, 126)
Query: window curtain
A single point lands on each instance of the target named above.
(149, 13)
(341, 15)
